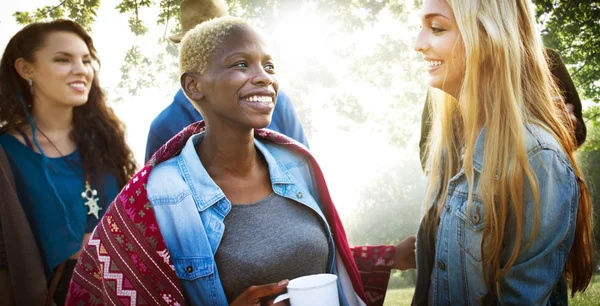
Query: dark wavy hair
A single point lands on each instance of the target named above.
(98, 132)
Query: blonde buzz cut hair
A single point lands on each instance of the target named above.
(202, 42)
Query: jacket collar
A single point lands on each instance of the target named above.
(204, 190)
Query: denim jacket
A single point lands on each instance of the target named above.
(453, 268)
(190, 209)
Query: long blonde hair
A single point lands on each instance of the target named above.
(508, 84)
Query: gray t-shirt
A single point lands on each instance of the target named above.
(267, 241)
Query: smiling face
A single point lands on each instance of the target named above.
(62, 71)
(440, 43)
(239, 84)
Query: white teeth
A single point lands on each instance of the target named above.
(262, 99)
(434, 63)
(77, 85)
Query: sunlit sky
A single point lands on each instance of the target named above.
(348, 158)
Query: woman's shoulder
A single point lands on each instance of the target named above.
(7, 138)
(542, 146)
(164, 180)
(13, 143)
(539, 138)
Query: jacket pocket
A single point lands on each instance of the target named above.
(193, 268)
(470, 227)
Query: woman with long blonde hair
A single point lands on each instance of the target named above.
(509, 215)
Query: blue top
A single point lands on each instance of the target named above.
(44, 211)
(181, 113)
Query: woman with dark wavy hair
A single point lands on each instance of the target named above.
(65, 146)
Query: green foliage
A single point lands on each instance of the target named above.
(137, 72)
(399, 297)
(569, 26)
(80, 11)
(402, 279)
(390, 207)
(23, 17)
(393, 67)
(136, 25)
(589, 160)
(169, 10)
(354, 14)
(592, 118)
(348, 106)
(252, 8)
(572, 27)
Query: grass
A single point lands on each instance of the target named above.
(402, 297)
(397, 297)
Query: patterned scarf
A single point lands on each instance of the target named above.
(126, 261)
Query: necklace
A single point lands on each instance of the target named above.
(89, 194)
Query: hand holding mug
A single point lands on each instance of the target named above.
(312, 290)
(254, 295)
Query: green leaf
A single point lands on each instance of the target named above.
(23, 18)
(572, 28)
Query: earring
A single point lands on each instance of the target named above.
(31, 86)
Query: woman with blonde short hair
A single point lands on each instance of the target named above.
(225, 212)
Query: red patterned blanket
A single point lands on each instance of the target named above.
(126, 261)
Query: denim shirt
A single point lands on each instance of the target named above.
(190, 209)
(455, 271)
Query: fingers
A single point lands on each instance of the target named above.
(282, 303)
(254, 294)
(258, 292)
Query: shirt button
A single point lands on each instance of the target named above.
(442, 265)
(299, 195)
(189, 269)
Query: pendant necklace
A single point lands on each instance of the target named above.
(92, 202)
(89, 193)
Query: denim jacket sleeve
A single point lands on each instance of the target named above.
(538, 268)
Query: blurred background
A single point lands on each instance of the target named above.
(352, 74)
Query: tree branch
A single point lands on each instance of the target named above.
(53, 8)
(577, 71)
(167, 20)
(592, 117)
(137, 20)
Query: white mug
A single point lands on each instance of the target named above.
(312, 290)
